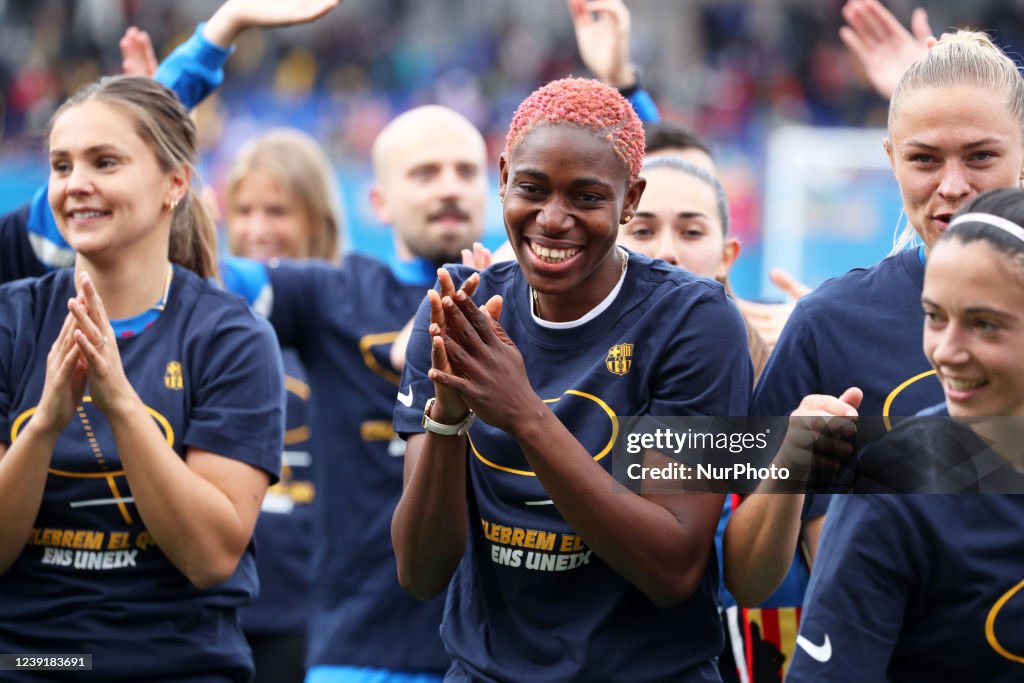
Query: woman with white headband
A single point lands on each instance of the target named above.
(943, 573)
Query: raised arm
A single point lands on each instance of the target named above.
(763, 532)
(882, 46)
(193, 71)
(196, 67)
(602, 35)
(234, 16)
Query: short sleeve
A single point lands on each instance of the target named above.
(815, 505)
(792, 369)
(862, 582)
(706, 368)
(238, 395)
(296, 290)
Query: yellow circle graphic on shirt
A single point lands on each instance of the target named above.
(597, 456)
(160, 420)
(990, 625)
(103, 471)
(887, 406)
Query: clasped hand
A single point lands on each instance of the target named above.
(85, 351)
(474, 364)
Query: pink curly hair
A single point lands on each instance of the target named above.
(586, 103)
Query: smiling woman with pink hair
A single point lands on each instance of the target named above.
(553, 575)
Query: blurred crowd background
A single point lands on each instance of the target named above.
(738, 71)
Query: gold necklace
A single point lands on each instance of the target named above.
(160, 305)
(536, 296)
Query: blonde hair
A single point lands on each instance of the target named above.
(164, 125)
(298, 163)
(963, 58)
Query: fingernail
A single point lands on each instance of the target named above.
(447, 302)
(460, 295)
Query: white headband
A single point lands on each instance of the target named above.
(989, 219)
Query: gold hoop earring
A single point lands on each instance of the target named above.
(172, 206)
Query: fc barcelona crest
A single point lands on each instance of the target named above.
(620, 359)
(172, 376)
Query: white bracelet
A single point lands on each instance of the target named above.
(445, 429)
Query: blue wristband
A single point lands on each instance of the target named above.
(643, 105)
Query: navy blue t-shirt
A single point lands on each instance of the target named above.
(529, 600)
(862, 329)
(342, 322)
(90, 579)
(284, 532)
(916, 588)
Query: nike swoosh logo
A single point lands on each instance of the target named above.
(405, 399)
(820, 653)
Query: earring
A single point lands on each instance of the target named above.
(627, 218)
(172, 206)
(501, 198)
